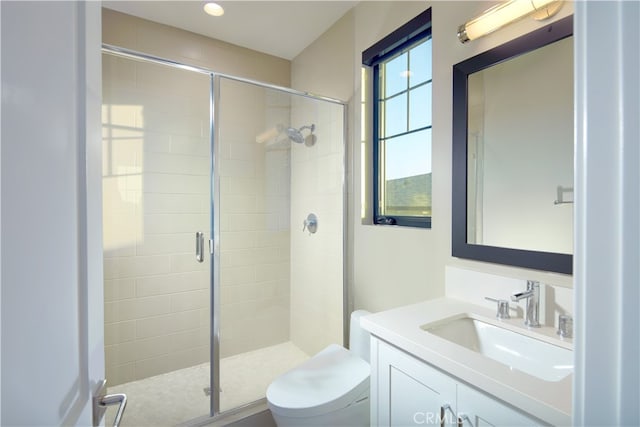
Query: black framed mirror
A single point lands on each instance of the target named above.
(513, 152)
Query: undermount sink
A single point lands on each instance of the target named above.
(538, 358)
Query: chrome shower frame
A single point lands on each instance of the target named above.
(215, 414)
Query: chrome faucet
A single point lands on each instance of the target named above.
(532, 310)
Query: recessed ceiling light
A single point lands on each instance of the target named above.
(213, 9)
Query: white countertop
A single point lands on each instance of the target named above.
(546, 400)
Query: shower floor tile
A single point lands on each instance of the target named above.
(175, 397)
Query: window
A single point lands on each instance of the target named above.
(401, 65)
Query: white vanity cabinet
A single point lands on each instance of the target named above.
(478, 409)
(406, 391)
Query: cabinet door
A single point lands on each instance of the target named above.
(410, 392)
(476, 409)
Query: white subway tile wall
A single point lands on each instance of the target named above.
(155, 197)
(254, 244)
(155, 153)
(317, 259)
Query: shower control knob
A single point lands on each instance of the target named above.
(310, 223)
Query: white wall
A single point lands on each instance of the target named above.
(185, 47)
(607, 342)
(52, 326)
(393, 266)
(0, 220)
(378, 279)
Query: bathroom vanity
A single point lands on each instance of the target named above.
(449, 362)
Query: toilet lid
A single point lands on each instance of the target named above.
(330, 380)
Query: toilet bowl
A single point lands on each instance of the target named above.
(329, 389)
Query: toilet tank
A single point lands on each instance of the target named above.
(359, 340)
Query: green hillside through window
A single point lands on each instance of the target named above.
(410, 196)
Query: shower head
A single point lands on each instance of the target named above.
(295, 135)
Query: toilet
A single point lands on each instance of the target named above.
(330, 389)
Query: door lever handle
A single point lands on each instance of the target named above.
(101, 400)
(115, 399)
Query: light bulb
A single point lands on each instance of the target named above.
(213, 9)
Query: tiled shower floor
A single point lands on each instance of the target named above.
(175, 397)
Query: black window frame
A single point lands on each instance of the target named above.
(412, 33)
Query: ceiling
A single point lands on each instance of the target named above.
(279, 28)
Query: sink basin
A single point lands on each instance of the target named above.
(538, 358)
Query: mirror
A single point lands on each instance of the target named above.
(513, 152)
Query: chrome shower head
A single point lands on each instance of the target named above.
(295, 135)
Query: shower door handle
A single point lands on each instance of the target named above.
(200, 246)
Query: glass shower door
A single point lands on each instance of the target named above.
(279, 157)
(156, 197)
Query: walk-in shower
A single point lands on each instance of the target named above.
(185, 151)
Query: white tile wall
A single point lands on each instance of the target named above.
(158, 127)
(317, 259)
(254, 244)
(156, 196)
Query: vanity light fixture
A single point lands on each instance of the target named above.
(506, 13)
(213, 9)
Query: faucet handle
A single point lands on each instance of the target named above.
(565, 326)
(502, 309)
